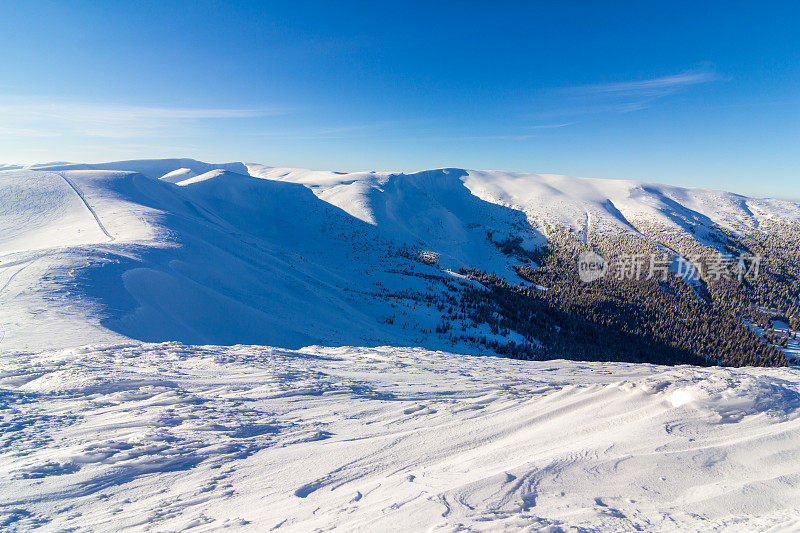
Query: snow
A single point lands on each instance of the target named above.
(792, 348)
(48, 215)
(781, 328)
(178, 175)
(571, 202)
(152, 168)
(223, 258)
(193, 345)
(170, 437)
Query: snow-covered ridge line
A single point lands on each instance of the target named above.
(157, 249)
(561, 198)
(567, 201)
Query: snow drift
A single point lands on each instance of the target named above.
(175, 437)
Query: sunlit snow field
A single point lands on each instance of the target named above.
(168, 436)
(171, 437)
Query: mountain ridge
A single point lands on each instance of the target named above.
(178, 249)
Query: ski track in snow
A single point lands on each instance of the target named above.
(86, 203)
(167, 437)
(10, 279)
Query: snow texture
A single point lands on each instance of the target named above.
(169, 437)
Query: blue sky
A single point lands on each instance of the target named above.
(693, 93)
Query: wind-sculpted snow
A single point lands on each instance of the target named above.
(170, 437)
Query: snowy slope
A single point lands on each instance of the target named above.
(178, 249)
(168, 437)
(560, 200)
(220, 258)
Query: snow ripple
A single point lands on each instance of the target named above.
(174, 437)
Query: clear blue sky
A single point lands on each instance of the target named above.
(693, 93)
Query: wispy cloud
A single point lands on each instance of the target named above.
(624, 96)
(515, 134)
(342, 131)
(32, 117)
(654, 87)
(510, 137)
(550, 126)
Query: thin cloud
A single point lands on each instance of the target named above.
(25, 132)
(584, 107)
(651, 87)
(41, 118)
(551, 126)
(479, 138)
(624, 96)
(370, 129)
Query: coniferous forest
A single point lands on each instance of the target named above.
(711, 313)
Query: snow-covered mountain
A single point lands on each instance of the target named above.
(177, 249)
(577, 203)
(322, 405)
